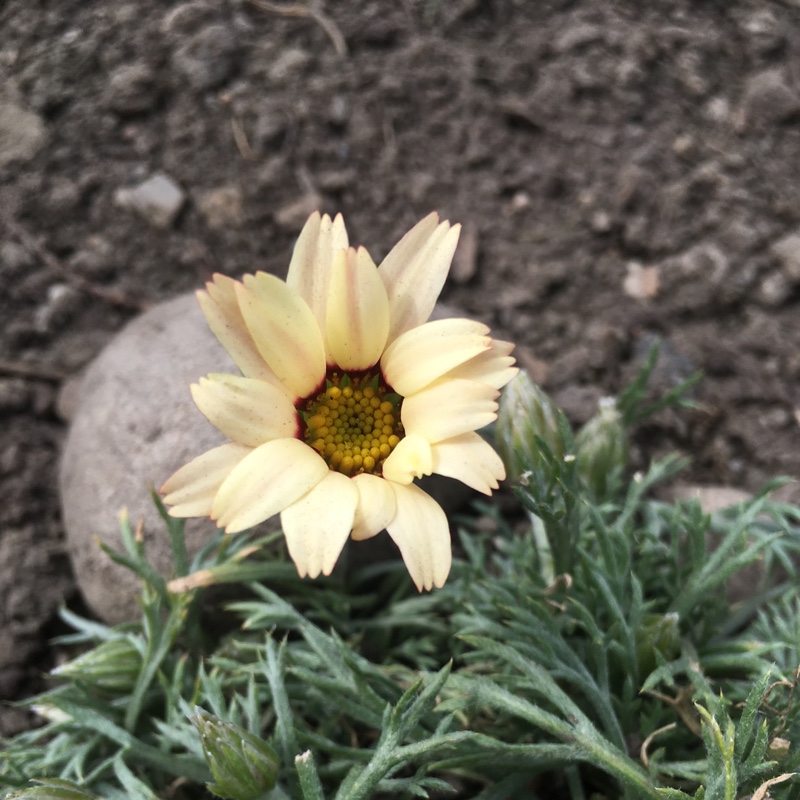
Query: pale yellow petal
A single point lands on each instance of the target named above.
(469, 459)
(358, 311)
(376, 506)
(410, 459)
(221, 310)
(246, 410)
(192, 489)
(318, 524)
(284, 330)
(494, 367)
(415, 270)
(419, 356)
(268, 480)
(449, 408)
(420, 530)
(310, 268)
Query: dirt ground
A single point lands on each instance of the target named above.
(624, 171)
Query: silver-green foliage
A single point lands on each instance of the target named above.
(632, 673)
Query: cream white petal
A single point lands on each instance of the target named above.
(494, 367)
(310, 268)
(415, 270)
(358, 311)
(318, 524)
(246, 410)
(192, 489)
(265, 482)
(420, 530)
(221, 310)
(469, 459)
(410, 459)
(419, 356)
(285, 332)
(449, 408)
(376, 506)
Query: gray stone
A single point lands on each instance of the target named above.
(95, 259)
(22, 132)
(132, 89)
(769, 99)
(291, 62)
(787, 251)
(135, 423)
(208, 58)
(775, 289)
(158, 199)
(15, 260)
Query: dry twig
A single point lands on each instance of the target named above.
(24, 369)
(296, 10)
(49, 259)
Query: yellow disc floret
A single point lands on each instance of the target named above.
(354, 424)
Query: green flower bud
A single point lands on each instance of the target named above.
(659, 632)
(112, 666)
(54, 789)
(525, 413)
(602, 448)
(244, 766)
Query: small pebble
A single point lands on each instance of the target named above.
(208, 58)
(787, 251)
(132, 89)
(222, 207)
(158, 199)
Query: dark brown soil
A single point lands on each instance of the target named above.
(580, 143)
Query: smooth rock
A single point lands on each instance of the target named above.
(135, 423)
(158, 199)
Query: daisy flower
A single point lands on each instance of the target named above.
(347, 394)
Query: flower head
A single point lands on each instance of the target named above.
(347, 394)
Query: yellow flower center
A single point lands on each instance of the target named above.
(353, 425)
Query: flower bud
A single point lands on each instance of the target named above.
(525, 413)
(54, 789)
(244, 766)
(659, 632)
(602, 447)
(112, 666)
